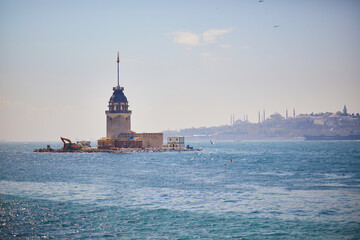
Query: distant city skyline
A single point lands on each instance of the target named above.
(183, 64)
(314, 126)
(262, 118)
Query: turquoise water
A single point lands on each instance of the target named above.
(272, 190)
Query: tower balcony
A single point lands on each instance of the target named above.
(118, 111)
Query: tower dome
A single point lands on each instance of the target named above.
(118, 95)
(118, 102)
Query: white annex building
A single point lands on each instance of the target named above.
(176, 142)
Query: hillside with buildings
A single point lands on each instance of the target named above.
(277, 127)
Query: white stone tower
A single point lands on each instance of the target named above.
(118, 116)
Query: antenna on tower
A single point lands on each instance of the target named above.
(118, 73)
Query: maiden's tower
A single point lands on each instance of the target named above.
(118, 124)
(118, 116)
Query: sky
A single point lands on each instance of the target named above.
(183, 64)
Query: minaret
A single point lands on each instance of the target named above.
(264, 116)
(345, 111)
(118, 116)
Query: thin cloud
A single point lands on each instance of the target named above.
(187, 38)
(226, 46)
(210, 56)
(211, 35)
(207, 54)
(6, 104)
(193, 39)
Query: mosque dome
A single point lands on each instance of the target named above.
(276, 116)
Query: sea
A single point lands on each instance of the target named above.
(270, 190)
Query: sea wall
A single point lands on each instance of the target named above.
(151, 140)
(131, 140)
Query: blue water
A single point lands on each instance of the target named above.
(272, 190)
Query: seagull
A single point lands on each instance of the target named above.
(212, 143)
(276, 26)
(261, 0)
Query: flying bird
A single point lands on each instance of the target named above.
(276, 26)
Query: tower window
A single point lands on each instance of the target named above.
(116, 107)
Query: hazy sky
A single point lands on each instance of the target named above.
(183, 63)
